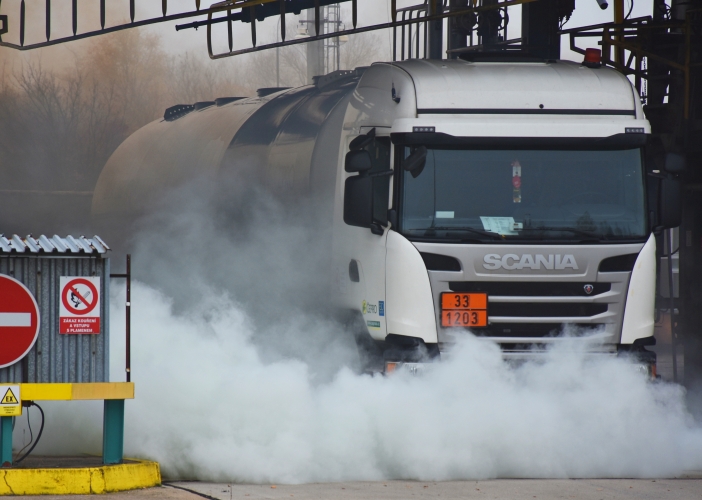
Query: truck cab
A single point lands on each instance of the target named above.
(503, 199)
(509, 199)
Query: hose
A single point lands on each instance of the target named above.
(31, 434)
(630, 10)
(668, 255)
(41, 429)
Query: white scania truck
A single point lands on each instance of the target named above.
(507, 198)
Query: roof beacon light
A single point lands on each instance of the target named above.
(603, 4)
(593, 58)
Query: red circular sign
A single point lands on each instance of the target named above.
(517, 182)
(19, 321)
(86, 302)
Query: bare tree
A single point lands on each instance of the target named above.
(362, 50)
(134, 65)
(59, 127)
(190, 80)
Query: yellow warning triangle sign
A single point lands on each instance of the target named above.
(9, 398)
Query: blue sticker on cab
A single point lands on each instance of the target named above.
(381, 307)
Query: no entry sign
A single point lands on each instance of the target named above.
(19, 321)
(79, 310)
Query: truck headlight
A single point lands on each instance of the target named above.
(646, 369)
(395, 366)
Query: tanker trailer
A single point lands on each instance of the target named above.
(506, 198)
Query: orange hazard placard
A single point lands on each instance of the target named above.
(463, 300)
(464, 318)
(464, 309)
(79, 308)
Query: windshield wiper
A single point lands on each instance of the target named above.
(494, 236)
(571, 229)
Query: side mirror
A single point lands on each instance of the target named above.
(415, 162)
(358, 201)
(358, 161)
(674, 163)
(670, 203)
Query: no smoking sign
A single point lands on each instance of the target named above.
(79, 309)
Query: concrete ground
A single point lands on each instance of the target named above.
(689, 487)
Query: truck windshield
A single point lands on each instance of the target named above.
(525, 195)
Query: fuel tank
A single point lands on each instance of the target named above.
(287, 142)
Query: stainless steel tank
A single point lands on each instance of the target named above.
(286, 141)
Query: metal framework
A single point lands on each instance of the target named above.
(258, 9)
(401, 19)
(663, 57)
(411, 22)
(332, 48)
(639, 38)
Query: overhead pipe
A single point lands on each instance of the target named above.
(435, 31)
(22, 22)
(316, 17)
(48, 20)
(230, 37)
(619, 20)
(75, 16)
(252, 11)
(282, 21)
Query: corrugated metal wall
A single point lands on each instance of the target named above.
(55, 357)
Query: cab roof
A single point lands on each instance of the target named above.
(554, 87)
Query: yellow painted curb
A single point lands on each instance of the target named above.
(80, 481)
(70, 391)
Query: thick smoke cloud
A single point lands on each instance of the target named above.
(210, 408)
(230, 388)
(229, 239)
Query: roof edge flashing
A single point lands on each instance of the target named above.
(44, 245)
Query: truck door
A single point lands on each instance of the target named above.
(362, 250)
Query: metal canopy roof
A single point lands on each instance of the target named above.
(55, 244)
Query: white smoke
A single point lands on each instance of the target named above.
(231, 388)
(208, 407)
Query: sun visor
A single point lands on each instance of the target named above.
(438, 139)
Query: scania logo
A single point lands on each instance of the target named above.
(510, 261)
(588, 289)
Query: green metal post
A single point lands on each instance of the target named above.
(113, 431)
(6, 441)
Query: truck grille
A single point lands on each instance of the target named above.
(529, 289)
(545, 310)
(538, 309)
(534, 329)
(533, 307)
